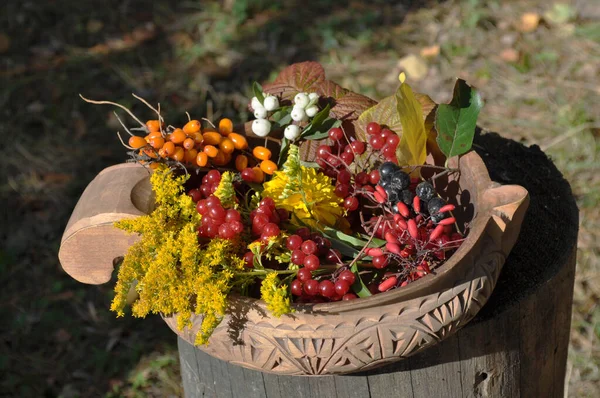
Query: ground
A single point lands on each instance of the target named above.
(536, 63)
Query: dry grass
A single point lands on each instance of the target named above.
(541, 87)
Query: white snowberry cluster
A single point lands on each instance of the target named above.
(305, 107)
(261, 126)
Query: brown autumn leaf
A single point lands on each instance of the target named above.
(300, 77)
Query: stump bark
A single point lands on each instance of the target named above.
(515, 347)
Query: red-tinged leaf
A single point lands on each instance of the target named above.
(412, 149)
(329, 89)
(300, 77)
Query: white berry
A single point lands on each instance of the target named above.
(261, 127)
(298, 114)
(301, 100)
(313, 96)
(260, 112)
(292, 132)
(255, 103)
(311, 111)
(271, 103)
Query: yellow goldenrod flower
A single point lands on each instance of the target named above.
(276, 297)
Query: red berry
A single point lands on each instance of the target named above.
(303, 232)
(270, 229)
(298, 257)
(347, 276)
(260, 220)
(385, 133)
(312, 262)
(311, 287)
(237, 226)
(373, 128)
(195, 194)
(293, 242)
(248, 175)
(362, 178)
(268, 202)
(351, 203)
(336, 134)
(296, 287)
(376, 142)
(393, 140)
(327, 288)
(347, 158)
(323, 151)
(213, 177)
(226, 232)
(349, 296)
(387, 284)
(341, 190)
(249, 259)
(358, 147)
(304, 274)
(309, 247)
(374, 177)
(217, 212)
(388, 151)
(341, 287)
(334, 256)
(344, 176)
(380, 262)
(202, 208)
(232, 215)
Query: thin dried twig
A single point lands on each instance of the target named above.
(117, 105)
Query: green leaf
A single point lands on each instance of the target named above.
(258, 92)
(354, 241)
(321, 116)
(320, 132)
(358, 286)
(282, 115)
(283, 152)
(313, 165)
(455, 122)
(412, 149)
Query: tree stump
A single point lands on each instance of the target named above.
(515, 347)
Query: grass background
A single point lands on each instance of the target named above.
(57, 338)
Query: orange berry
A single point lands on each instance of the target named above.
(153, 165)
(193, 126)
(211, 151)
(153, 125)
(197, 137)
(162, 153)
(226, 145)
(190, 155)
(259, 175)
(169, 148)
(177, 136)
(221, 159)
(225, 126)
(212, 138)
(137, 142)
(239, 141)
(157, 142)
(154, 134)
(179, 154)
(241, 162)
(268, 166)
(189, 143)
(201, 159)
(262, 153)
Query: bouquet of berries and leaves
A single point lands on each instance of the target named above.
(325, 196)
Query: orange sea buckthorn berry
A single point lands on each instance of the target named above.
(241, 162)
(169, 148)
(153, 165)
(190, 155)
(268, 166)
(156, 142)
(153, 125)
(212, 138)
(193, 126)
(225, 126)
(239, 141)
(262, 153)
(197, 137)
(211, 151)
(177, 136)
(189, 143)
(162, 153)
(226, 145)
(154, 134)
(201, 159)
(137, 142)
(221, 159)
(259, 175)
(179, 154)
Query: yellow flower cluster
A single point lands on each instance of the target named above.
(276, 297)
(173, 274)
(306, 193)
(225, 191)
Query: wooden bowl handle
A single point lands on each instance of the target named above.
(91, 244)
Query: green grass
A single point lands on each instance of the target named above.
(58, 338)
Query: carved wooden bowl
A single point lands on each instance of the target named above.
(330, 338)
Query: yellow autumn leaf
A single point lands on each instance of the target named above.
(412, 149)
